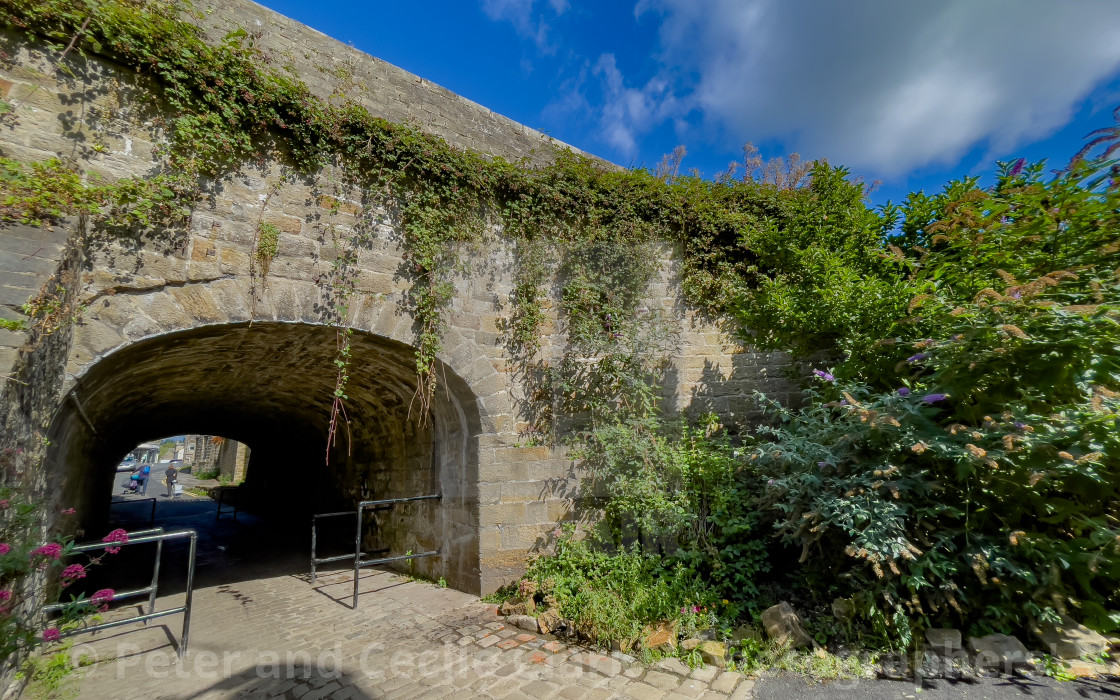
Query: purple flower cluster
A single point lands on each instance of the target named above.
(73, 573)
(105, 595)
(934, 398)
(917, 357)
(51, 634)
(827, 376)
(117, 535)
(903, 391)
(48, 551)
(4, 548)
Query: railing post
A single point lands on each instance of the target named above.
(155, 579)
(190, 595)
(314, 553)
(357, 552)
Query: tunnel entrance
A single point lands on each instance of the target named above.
(270, 387)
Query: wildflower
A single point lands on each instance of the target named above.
(769, 482)
(917, 357)
(903, 391)
(934, 398)
(69, 511)
(1017, 169)
(822, 465)
(117, 535)
(4, 548)
(73, 573)
(695, 608)
(51, 634)
(4, 503)
(824, 375)
(49, 551)
(105, 595)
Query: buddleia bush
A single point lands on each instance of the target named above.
(965, 470)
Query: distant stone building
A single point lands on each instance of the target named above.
(233, 458)
(200, 450)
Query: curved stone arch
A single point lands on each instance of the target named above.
(107, 360)
(170, 308)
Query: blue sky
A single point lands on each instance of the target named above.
(909, 93)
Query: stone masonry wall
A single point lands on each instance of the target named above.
(148, 288)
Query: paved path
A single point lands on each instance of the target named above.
(261, 630)
(282, 637)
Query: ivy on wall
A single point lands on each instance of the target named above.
(586, 224)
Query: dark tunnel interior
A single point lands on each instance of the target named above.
(270, 386)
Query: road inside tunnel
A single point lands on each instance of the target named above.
(270, 386)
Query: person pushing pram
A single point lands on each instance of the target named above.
(138, 480)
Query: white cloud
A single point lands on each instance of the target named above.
(626, 111)
(525, 21)
(881, 85)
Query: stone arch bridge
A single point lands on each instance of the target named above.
(158, 339)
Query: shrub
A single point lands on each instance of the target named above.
(611, 595)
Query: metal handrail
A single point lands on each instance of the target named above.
(151, 518)
(158, 536)
(384, 504)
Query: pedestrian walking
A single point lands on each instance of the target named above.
(172, 475)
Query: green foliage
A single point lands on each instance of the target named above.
(51, 675)
(268, 244)
(43, 193)
(674, 487)
(15, 325)
(977, 481)
(611, 595)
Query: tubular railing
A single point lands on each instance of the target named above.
(386, 504)
(158, 536)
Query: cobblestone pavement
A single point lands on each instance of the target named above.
(281, 637)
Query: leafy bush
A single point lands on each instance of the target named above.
(672, 488)
(975, 481)
(611, 595)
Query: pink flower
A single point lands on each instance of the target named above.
(69, 511)
(73, 573)
(50, 551)
(4, 503)
(117, 535)
(51, 635)
(5, 596)
(4, 548)
(103, 596)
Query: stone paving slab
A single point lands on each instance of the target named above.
(281, 637)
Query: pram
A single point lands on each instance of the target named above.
(133, 484)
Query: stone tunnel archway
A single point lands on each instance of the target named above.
(269, 385)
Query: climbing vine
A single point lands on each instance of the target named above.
(225, 105)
